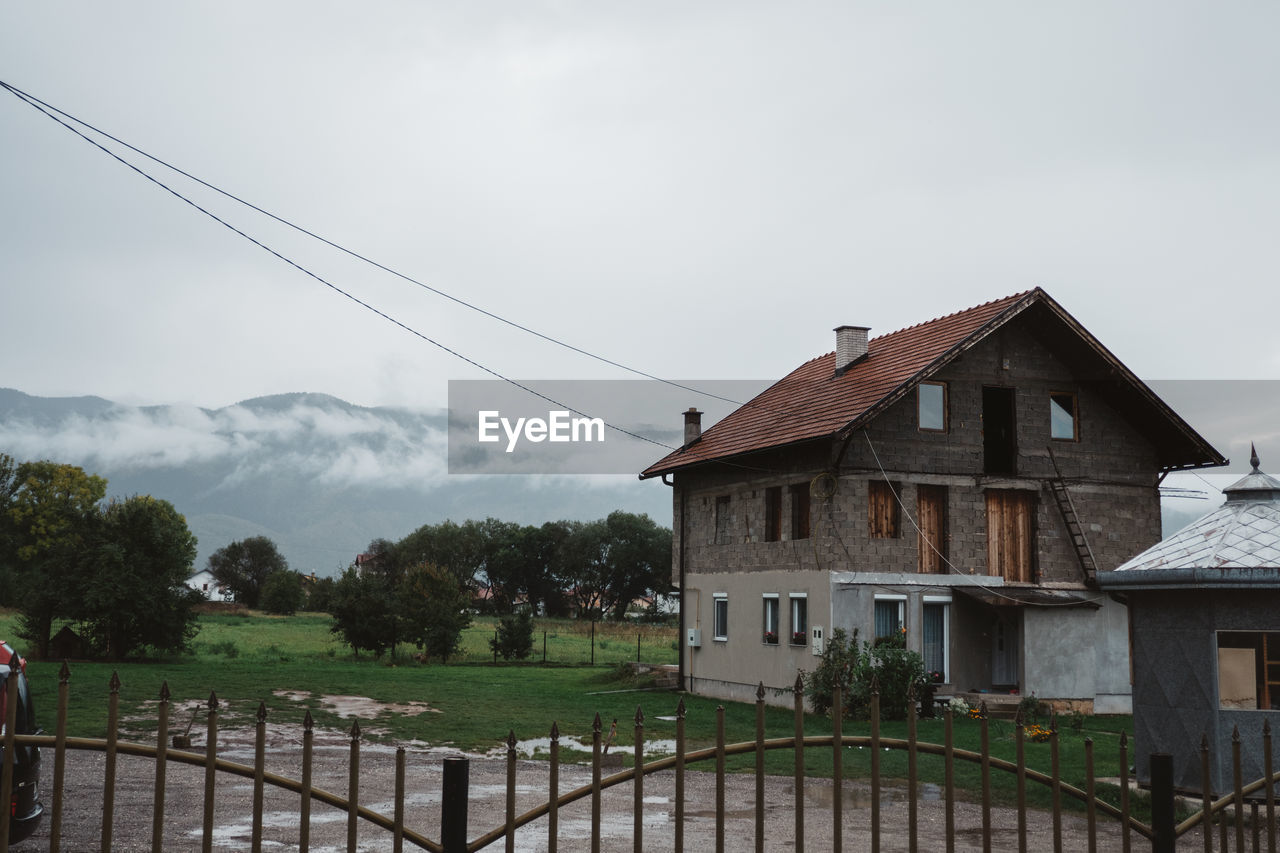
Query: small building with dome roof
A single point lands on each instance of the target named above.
(1204, 608)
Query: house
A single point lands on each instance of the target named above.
(1205, 606)
(203, 582)
(959, 483)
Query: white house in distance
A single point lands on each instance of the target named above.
(203, 583)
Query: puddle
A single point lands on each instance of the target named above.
(359, 706)
(542, 746)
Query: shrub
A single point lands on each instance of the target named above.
(515, 636)
(887, 662)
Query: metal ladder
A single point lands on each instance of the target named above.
(1058, 487)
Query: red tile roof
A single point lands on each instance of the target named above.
(812, 402)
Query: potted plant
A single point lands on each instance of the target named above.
(771, 638)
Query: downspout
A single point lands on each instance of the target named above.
(684, 505)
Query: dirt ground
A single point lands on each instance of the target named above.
(82, 819)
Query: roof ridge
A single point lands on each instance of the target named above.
(1010, 298)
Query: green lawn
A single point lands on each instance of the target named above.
(292, 663)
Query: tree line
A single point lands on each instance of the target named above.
(422, 589)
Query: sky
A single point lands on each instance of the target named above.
(694, 190)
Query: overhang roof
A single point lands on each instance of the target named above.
(814, 402)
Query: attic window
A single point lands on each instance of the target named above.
(1063, 423)
(931, 406)
(722, 520)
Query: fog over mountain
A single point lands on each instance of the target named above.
(320, 476)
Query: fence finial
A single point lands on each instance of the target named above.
(164, 691)
(760, 692)
(511, 740)
(1124, 739)
(680, 709)
(307, 722)
(1204, 742)
(64, 674)
(262, 712)
(213, 701)
(875, 684)
(799, 685)
(595, 726)
(355, 730)
(982, 709)
(555, 731)
(639, 716)
(1266, 727)
(1235, 734)
(115, 682)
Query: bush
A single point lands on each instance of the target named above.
(515, 636)
(282, 593)
(887, 662)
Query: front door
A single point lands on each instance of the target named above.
(1004, 653)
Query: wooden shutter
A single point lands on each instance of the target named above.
(931, 510)
(882, 510)
(1010, 536)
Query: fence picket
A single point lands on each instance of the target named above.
(259, 768)
(162, 748)
(60, 758)
(109, 773)
(210, 773)
(353, 787)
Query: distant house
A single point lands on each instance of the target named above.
(1206, 636)
(959, 484)
(204, 583)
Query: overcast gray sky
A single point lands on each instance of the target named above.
(695, 189)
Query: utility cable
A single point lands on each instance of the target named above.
(384, 315)
(49, 108)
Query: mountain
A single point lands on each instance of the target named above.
(319, 476)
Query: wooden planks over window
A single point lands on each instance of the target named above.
(1011, 534)
(931, 511)
(882, 510)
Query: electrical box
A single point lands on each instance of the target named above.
(695, 638)
(815, 636)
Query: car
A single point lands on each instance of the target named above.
(25, 808)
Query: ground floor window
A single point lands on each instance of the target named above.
(1249, 670)
(799, 619)
(771, 619)
(934, 629)
(720, 616)
(889, 617)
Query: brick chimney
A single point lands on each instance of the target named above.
(851, 346)
(692, 426)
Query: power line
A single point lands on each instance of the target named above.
(39, 106)
(48, 108)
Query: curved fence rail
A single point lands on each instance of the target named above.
(1226, 814)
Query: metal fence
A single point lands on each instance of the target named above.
(1241, 820)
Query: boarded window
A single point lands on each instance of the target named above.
(722, 520)
(1011, 535)
(800, 511)
(931, 406)
(773, 514)
(931, 510)
(882, 510)
(1063, 424)
(1249, 670)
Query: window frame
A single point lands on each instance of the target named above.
(722, 534)
(1075, 415)
(798, 605)
(1265, 659)
(890, 598)
(720, 617)
(944, 603)
(943, 403)
(768, 611)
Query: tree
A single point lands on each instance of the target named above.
(364, 612)
(320, 595)
(515, 636)
(435, 612)
(244, 566)
(51, 508)
(131, 593)
(282, 593)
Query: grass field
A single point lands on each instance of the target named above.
(293, 664)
